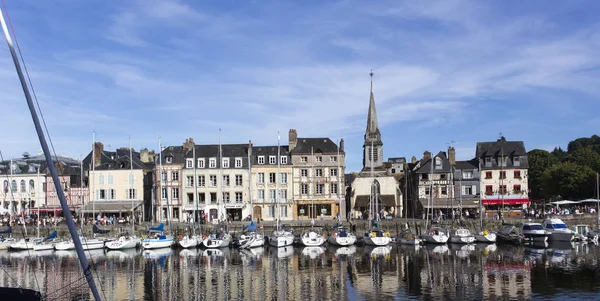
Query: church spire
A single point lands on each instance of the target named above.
(372, 125)
(373, 146)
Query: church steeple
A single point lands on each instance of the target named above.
(373, 146)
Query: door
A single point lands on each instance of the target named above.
(257, 212)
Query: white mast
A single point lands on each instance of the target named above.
(160, 177)
(598, 201)
(277, 179)
(132, 182)
(93, 174)
(339, 188)
(220, 197)
(82, 194)
(194, 181)
(430, 201)
(312, 183)
(250, 180)
(374, 206)
(480, 199)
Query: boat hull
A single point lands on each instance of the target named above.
(462, 239)
(92, 244)
(43, 247)
(281, 241)
(251, 241)
(157, 243)
(24, 245)
(5, 245)
(123, 243)
(435, 239)
(486, 238)
(561, 236)
(377, 241)
(342, 241)
(312, 239)
(537, 238)
(214, 243)
(410, 241)
(189, 242)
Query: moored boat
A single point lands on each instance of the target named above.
(342, 237)
(558, 230)
(157, 239)
(436, 235)
(461, 236)
(407, 237)
(485, 236)
(219, 239)
(534, 232)
(509, 235)
(312, 238)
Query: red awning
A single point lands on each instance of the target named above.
(506, 202)
(45, 210)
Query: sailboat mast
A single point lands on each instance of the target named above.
(430, 201)
(61, 195)
(163, 176)
(339, 187)
(480, 199)
(277, 178)
(598, 203)
(250, 180)
(194, 181)
(405, 197)
(312, 181)
(131, 183)
(80, 191)
(220, 197)
(93, 174)
(374, 193)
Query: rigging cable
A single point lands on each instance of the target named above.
(43, 121)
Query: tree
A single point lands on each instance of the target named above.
(539, 161)
(569, 180)
(579, 143)
(586, 156)
(560, 154)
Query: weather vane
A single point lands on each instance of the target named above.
(371, 74)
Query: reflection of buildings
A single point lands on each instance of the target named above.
(510, 281)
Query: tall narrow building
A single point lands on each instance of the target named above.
(374, 188)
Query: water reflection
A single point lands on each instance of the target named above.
(451, 272)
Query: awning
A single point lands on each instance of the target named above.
(111, 206)
(34, 210)
(447, 203)
(363, 200)
(506, 202)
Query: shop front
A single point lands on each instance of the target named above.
(504, 206)
(234, 211)
(315, 209)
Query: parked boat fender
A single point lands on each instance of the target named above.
(387, 234)
(334, 234)
(180, 238)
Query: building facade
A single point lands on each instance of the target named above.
(318, 176)
(433, 180)
(73, 184)
(24, 187)
(466, 184)
(504, 167)
(266, 175)
(169, 190)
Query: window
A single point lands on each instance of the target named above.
(502, 174)
(131, 179)
(438, 163)
(31, 185)
(319, 159)
(333, 172)
(102, 194)
(320, 188)
(444, 190)
(169, 159)
(271, 211)
(517, 189)
(318, 172)
(175, 176)
(212, 163)
(110, 179)
(502, 160)
(239, 197)
(424, 176)
(225, 162)
(304, 172)
(101, 180)
(200, 163)
(488, 161)
(238, 180)
(213, 197)
(393, 170)
(261, 195)
(427, 190)
(226, 197)
(334, 188)
(516, 161)
(163, 193)
(190, 198)
(272, 195)
(23, 188)
(225, 180)
(283, 179)
(164, 177)
(502, 189)
(201, 181)
(190, 181)
(303, 159)
(6, 185)
(261, 178)
(488, 174)
(189, 163)
(517, 174)
(131, 195)
(467, 190)
(489, 190)
(213, 180)
(13, 186)
(332, 159)
(201, 198)
(272, 178)
(261, 159)
(304, 189)
(283, 196)
(467, 174)
(238, 162)
(111, 194)
(283, 211)
(443, 176)
(373, 154)
(272, 160)
(283, 160)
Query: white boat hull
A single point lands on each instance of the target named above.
(214, 243)
(65, 245)
(4, 245)
(462, 239)
(157, 243)
(281, 241)
(486, 238)
(377, 241)
(92, 244)
(251, 241)
(312, 239)
(342, 241)
(124, 243)
(189, 242)
(43, 246)
(410, 241)
(25, 244)
(561, 236)
(435, 239)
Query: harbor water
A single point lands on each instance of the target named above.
(444, 272)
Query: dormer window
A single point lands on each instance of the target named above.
(238, 162)
(200, 163)
(319, 159)
(502, 160)
(261, 159)
(169, 159)
(283, 160)
(516, 161)
(225, 162)
(438, 163)
(189, 163)
(212, 163)
(488, 161)
(272, 160)
(303, 159)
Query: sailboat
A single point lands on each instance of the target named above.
(20, 293)
(436, 235)
(6, 242)
(342, 237)
(312, 237)
(407, 237)
(127, 241)
(250, 238)
(281, 236)
(220, 238)
(375, 236)
(484, 235)
(193, 240)
(47, 243)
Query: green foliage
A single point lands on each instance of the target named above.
(586, 157)
(579, 143)
(569, 180)
(539, 161)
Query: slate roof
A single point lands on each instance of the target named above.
(318, 145)
(425, 164)
(495, 149)
(30, 165)
(176, 152)
(269, 151)
(397, 160)
(116, 160)
(469, 164)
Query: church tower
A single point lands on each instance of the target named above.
(373, 146)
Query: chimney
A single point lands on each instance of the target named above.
(250, 148)
(502, 139)
(151, 156)
(293, 139)
(98, 150)
(452, 155)
(188, 144)
(426, 155)
(144, 156)
(413, 160)
(342, 145)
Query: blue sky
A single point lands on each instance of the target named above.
(461, 71)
